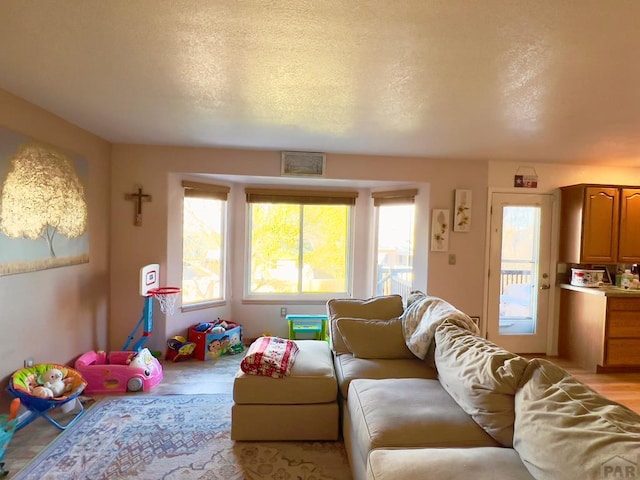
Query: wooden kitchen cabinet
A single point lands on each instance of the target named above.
(599, 224)
(629, 229)
(599, 332)
(622, 331)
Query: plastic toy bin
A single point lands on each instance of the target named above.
(210, 346)
(307, 324)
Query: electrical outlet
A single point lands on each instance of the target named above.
(283, 312)
(452, 259)
(28, 362)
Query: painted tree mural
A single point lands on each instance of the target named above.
(42, 196)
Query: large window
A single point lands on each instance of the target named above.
(299, 243)
(395, 241)
(203, 250)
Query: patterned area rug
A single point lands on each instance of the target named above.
(176, 437)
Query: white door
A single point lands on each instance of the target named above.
(519, 271)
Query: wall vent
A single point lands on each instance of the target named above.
(303, 163)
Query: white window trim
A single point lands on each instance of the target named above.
(295, 298)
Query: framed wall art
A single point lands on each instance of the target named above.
(462, 217)
(43, 206)
(440, 230)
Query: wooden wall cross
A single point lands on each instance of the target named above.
(138, 198)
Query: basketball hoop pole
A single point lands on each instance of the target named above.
(147, 321)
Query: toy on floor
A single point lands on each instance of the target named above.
(119, 371)
(178, 348)
(133, 368)
(25, 384)
(8, 425)
(149, 289)
(214, 339)
(235, 348)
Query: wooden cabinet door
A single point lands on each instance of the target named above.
(629, 236)
(600, 225)
(623, 352)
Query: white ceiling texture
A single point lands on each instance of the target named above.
(522, 80)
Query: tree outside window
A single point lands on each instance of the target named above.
(203, 250)
(298, 249)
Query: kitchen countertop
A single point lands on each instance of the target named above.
(607, 291)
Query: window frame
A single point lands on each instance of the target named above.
(301, 198)
(391, 198)
(213, 192)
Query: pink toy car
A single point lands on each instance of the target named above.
(120, 371)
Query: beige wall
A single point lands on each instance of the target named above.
(159, 170)
(55, 315)
(550, 176)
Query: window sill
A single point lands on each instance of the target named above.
(285, 301)
(202, 306)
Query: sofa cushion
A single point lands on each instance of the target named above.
(384, 307)
(407, 413)
(481, 377)
(565, 430)
(349, 368)
(481, 463)
(374, 338)
(312, 380)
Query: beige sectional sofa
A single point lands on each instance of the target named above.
(468, 409)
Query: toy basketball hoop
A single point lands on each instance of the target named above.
(150, 288)
(167, 297)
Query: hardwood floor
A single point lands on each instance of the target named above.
(623, 388)
(195, 377)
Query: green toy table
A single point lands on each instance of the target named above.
(315, 324)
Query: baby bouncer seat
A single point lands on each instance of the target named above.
(25, 383)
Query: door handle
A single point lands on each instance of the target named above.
(545, 287)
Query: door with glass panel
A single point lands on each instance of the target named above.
(519, 271)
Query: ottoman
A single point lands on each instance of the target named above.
(301, 406)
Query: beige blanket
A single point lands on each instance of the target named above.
(424, 315)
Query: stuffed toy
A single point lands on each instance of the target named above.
(31, 381)
(52, 379)
(42, 392)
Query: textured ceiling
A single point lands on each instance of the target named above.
(544, 80)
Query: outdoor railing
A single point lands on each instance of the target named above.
(511, 277)
(398, 280)
(394, 280)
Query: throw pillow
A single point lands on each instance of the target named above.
(481, 377)
(564, 430)
(383, 307)
(270, 357)
(374, 338)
